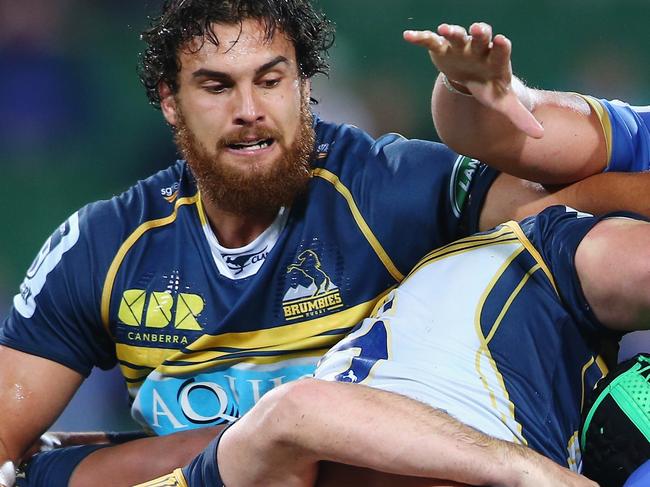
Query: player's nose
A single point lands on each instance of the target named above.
(248, 108)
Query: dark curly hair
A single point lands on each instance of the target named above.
(181, 20)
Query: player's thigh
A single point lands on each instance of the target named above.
(339, 475)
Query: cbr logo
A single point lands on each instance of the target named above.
(156, 310)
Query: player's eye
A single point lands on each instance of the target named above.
(215, 88)
(270, 82)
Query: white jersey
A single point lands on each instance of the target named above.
(483, 330)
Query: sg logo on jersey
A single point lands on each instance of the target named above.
(311, 292)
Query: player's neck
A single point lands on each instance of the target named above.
(235, 230)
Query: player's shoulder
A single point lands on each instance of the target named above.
(345, 147)
(147, 200)
(555, 222)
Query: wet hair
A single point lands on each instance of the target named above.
(181, 20)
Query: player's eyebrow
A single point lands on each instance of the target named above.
(271, 64)
(213, 74)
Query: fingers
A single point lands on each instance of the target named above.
(455, 35)
(508, 104)
(501, 50)
(425, 38)
(481, 34)
(522, 118)
(478, 39)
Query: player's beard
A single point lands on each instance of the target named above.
(251, 188)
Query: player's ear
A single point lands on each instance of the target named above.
(168, 103)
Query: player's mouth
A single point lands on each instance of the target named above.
(252, 147)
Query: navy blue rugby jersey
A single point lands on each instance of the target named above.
(132, 280)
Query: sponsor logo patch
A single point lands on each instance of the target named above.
(311, 291)
(62, 240)
(238, 262)
(170, 193)
(322, 151)
(169, 404)
(461, 181)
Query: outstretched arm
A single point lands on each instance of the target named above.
(281, 441)
(511, 198)
(481, 110)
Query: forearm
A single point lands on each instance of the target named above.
(607, 192)
(462, 122)
(511, 198)
(313, 420)
(140, 460)
(573, 145)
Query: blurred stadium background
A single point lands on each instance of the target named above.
(75, 125)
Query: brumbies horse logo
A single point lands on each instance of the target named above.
(309, 266)
(311, 290)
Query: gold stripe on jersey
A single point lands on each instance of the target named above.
(604, 370)
(382, 300)
(484, 350)
(605, 122)
(126, 246)
(139, 356)
(573, 447)
(361, 222)
(134, 374)
(501, 235)
(229, 361)
(268, 345)
(585, 367)
(602, 365)
(174, 479)
(532, 251)
(201, 210)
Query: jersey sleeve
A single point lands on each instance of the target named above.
(56, 314)
(414, 195)
(422, 191)
(556, 233)
(627, 133)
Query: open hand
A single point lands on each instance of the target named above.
(479, 64)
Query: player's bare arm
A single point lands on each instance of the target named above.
(33, 392)
(300, 424)
(511, 198)
(141, 459)
(482, 110)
